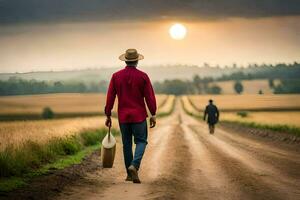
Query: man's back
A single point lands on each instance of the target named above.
(131, 86)
(211, 109)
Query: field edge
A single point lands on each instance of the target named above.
(60, 162)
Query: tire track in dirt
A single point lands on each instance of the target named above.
(209, 179)
(208, 176)
(279, 159)
(257, 180)
(242, 171)
(110, 184)
(183, 161)
(269, 172)
(172, 183)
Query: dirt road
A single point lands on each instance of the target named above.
(183, 161)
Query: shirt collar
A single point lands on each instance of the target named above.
(130, 67)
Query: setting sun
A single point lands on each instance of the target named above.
(177, 31)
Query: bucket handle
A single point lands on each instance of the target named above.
(109, 133)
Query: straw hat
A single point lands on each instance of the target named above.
(131, 55)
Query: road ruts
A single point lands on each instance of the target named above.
(183, 161)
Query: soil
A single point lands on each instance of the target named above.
(184, 161)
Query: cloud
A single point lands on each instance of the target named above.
(22, 11)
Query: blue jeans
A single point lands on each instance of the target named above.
(139, 132)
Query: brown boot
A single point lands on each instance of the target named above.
(128, 178)
(134, 174)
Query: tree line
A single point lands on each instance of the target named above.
(17, 86)
(288, 74)
(209, 86)
(280, 71)
(197, 86)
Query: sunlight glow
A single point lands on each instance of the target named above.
(177, 31)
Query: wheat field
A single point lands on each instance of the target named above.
(59, 103)
(250, 86)
(251, 102)
(269, 118)
(248, 102)
(15, 133)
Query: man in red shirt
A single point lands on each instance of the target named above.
(133, 88)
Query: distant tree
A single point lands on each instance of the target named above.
(197, 83)
(271, 83)
(205, 83)
(81, 87)
(238, 87)
(249, 76)
(289, 86)
(58, 87)
(176, 87)
(215, 90)
(47, 113)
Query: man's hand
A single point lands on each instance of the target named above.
(108, 121)
(152, 121)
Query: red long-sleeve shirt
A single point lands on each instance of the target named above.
(133, 87)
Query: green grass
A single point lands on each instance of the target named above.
(242, 114)
(9, 184)
(18, 166)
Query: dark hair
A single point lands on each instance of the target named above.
(131, 63)
(210, 101)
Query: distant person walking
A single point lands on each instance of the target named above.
(212, 112)
(133, 88)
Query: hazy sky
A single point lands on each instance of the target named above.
(73, 34)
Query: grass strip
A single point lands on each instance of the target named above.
(11, 183)
(276, 127)
(164, 114)
(19, 165)
(190, 113)
(163, 102)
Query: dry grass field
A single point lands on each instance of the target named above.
(269, 118)
(250, 86)
(248, 102)
(258, 108)
(59, 103)
(17, 132)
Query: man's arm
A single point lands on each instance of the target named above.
(150, 101)
(110, 100)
